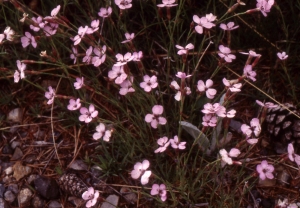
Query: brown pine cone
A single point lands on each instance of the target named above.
(72, 185)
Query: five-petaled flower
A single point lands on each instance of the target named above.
(292, 156)
(149, 83)
(79, 83)
(19, 73)
(123, 4)
(163, 143)
(155, 118)
(28, 39)
(74, 104)
(90, 196)
(167, 3)
(210, 92)
(140, 169)
(50, 95)
(117, 73)
(159, 189)
(225, 53)
(228, 26)
(184, 50)
(265, 170)
(129, 37)
(176, 144)
(122, 60)
(202, 22)
(105, 12)
(282, 56)
(102, 132)
(249, 73)
(87, 115)
(227, 157)
(252, 131)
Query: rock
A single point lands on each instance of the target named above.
(20, 171)
(15, 115)
(38, 202)
(130, 196)
(2, 189)
(8, 171)
(7, 150)
(15, 144)
(76, 201)
(18, 154)
(9, 196)
(30, 159)
(31, 178)
(8, 179)
(54, 204)
(46, 187)
(3, 203)
(24, 197)
(78, 165)
(267, 182)
(13, 187)
(96, 171)
(111, 202)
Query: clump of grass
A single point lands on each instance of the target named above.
(193, 176)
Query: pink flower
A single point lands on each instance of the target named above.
(129, 37)
(19, 74)
(8, 34)
(265, 170)
(210, 92)
(282, 56)
(267, 104)
(55, 11)
(74, 105)
(38, 24)
(79, 83)
(122, 60)
(123, 4)
(159, 189)
(232, 85)
(117, 73)
(94, 26)
(74, 54)
(210, 17)
(264, 6)
(105, 12)
(225, 54)
(167, 3)
(253, 130)
(99, 57)
(175, 86)
(202, 22)
(50, 95)
(184, 50)
(140, 169)
(101, 132)
(229, 26)
(87, 115)
(81, 32)
(149, 83)
(251, 54)
(155, 118)
(126, 86)
(182, 75)
(28, 39)
(50, 29)
(292, 156)
(88, 55)
(214, 109)
(209, 120)
(163, 143)
(176, 144)
(90, 196)
(248, 73)
(137, 56)
(227, 157)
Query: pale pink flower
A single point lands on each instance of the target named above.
(210, 92)
(167, 3)
(94, 25)
(163, 143)
(252, 131)
(232, 85)
(126, 86)
(129, 37)
(140, 169)
(50, 29)
(149, 83)
(210, 17)
(19, 73)
(81, 32)
(123, 4)
(55, 11)
(293, 205)
(227, 157)
(264, 6)
(267, 104)
(28, 39)
(228, 26)
(156, 117)
(38, 23)
(50, 95)
(292, 156)
(105, 12)
(202, 22)
(117, 73)
(265, 170)
(251, 54)
(248, 73)
(8, 34)
(102, 132)
(214, 109)
(184, 50)
(176, 144)
(282, 56)
(209, 120)
(122, 60)
(159, 189)
(178, 95)
(79, 83)
(225, 53)
(74, 104)
(87, 115)
(230, 113)
(88, 55)
(182, 75)
(99, 57)
(74, 54)
(137, 56)
(90, 196)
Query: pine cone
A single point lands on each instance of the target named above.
(283, 127)
(72, 185)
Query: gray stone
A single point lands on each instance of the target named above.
(9, 196)
(18, 154)
(78, 165)
(130, 196)
(46, 187)
(54, 204)
(2, 189)
(15, 115)
(15, 144)
(3, 203)
(13, 187)
(111, 202)
(38, 202)
(24, 197)
(7, 150)
(20, 171)
(8, 171)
